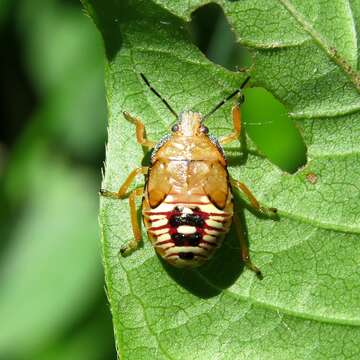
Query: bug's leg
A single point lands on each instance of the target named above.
(250, 199)
(236, 117)
(133, 244)
(140, 131)
(245, 249)
(121, 193)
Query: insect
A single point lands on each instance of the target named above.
(187, 200)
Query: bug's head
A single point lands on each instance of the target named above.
(189, 124)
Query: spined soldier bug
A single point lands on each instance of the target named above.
(187, 200)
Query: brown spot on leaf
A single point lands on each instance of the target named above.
(312, 178)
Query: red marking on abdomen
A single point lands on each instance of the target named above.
(177, 254)
(190, 203)
(208, 242)
(206, 226)
(165, 242)
(152, 228)
(173, 254)
(201, 213)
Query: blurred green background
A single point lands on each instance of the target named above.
(52, 298)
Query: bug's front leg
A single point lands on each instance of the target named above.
(236, 117)
(121, 193)
(251, 200)
(140, 131)
(244, 248)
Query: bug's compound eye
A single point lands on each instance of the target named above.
(175, 128)
(204, 129)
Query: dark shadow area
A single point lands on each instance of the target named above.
(147, 155)
(215, 276)
(18, 97)
(101, 12)
(223, 269)
(191, 280)
(236, 160)
(211, 33)
(126, 13)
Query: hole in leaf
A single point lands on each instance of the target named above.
(266, 120)
(212, 34)
(273, 132)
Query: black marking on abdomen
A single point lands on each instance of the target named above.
(188, 219)
(186, 246)
(186, 240)
(186, 255)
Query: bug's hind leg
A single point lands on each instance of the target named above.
(236, 117)
(245, 249)
(121, 193)
(140, 131)
(251, 200)
(133, 244)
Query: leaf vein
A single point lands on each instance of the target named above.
(331, 51)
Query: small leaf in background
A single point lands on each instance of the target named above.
(308, 305)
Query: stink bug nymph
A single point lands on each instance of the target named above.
(187, 200)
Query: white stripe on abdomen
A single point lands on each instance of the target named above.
(187, 233)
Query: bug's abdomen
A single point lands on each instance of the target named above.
(186, 234)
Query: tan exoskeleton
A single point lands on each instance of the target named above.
(187, 204)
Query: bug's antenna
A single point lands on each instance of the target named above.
(158, 95)
(221, 103)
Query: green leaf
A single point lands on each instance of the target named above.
(308, 305)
